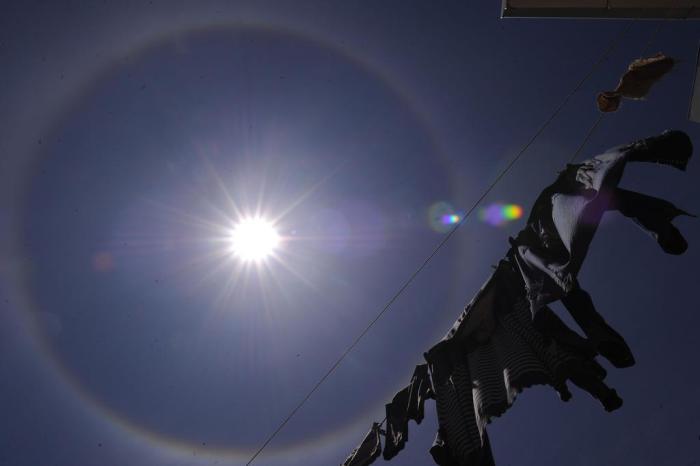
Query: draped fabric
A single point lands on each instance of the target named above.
(407, 404)
(367, 451)
(507, 338)
(491, 354)
(551, 249)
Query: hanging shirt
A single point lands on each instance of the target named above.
(550, 250)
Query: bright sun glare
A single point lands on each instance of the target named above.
(254, 239)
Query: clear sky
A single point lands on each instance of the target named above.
(134, 134)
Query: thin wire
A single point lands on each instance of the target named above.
(654, 34)
(591, 130)
(611, 47)
(646, 50)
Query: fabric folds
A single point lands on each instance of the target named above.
(367, 451)
(491, 354)
(407, 404)
(550, 250)
(396, 424)
(507, 338)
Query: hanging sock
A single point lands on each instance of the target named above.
(368, 451)
(636, 83)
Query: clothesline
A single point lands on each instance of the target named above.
(614, 42)
(467, 436)
(508, 338)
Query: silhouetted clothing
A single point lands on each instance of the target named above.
(368, 451)
(551, 248)
(442, 455)
(407, 404)
(492, 353)
(507, 338)
(396, 424)
(420, 389)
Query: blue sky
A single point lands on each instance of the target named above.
(131, 129)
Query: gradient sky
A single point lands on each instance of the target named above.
(129, 129)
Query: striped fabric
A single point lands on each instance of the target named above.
(475, 382)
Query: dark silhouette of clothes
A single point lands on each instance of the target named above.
(550, 250)
(407, 404)
(508, 338)
(606, 341)
(396, 424)
(442, 455)
(368, 451)
(420, 389)
(654, 216)
(637, 81)
(491, 354)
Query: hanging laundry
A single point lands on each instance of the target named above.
(508, 339)
(636, 82)
(603, 338)
(396, 424)
(368, 451)
(442, 455)
(420, 389)
(490, 355)
(407, 404)
(551, 248)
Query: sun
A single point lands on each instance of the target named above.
(253, 239)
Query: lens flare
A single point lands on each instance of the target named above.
(499, 214)
(441, 216)
(254, 239)
(450, 219)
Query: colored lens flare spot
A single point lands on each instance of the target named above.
(442, 216)
(498, 214)
(450, 219)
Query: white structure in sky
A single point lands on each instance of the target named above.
(651, 9)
